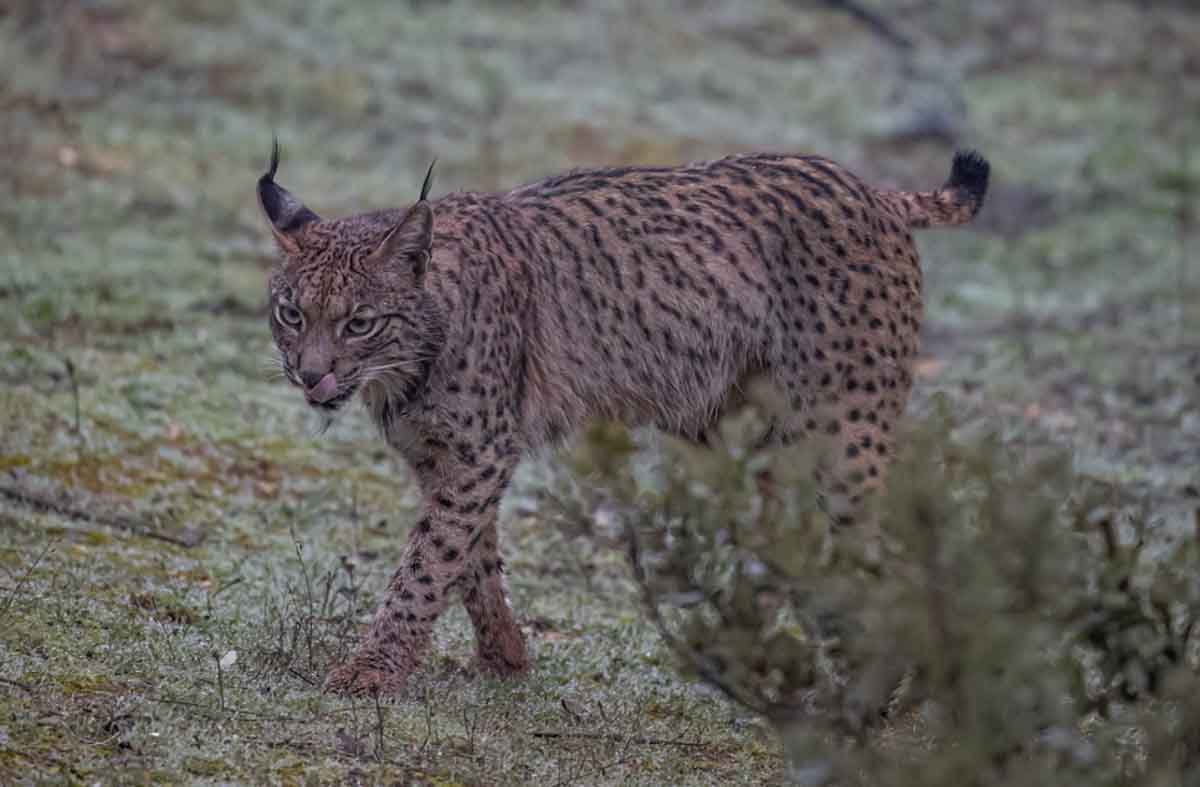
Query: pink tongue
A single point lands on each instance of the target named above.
(324, 390)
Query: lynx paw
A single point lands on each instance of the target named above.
(503, 656)
(365, 676)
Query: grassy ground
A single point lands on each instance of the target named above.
(180, 554)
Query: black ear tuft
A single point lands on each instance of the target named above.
(285, 212)
(428, 181)
(274, 158)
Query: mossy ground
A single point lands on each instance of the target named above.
(164, 502)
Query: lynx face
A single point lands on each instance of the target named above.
(338, 330)
(348, 309)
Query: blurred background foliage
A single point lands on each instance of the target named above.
(163, 503)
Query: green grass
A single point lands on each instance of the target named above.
(163, 502)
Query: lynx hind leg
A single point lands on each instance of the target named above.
(854, 435)
(852, 431)
(500, 644)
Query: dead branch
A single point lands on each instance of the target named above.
(615, 738)
(45, 504)
(873, 21)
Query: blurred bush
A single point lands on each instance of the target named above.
(1011, 623)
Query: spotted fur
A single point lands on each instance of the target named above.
(476, 327)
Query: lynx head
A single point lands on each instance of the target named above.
(348, 303)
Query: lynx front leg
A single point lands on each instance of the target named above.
(462, 487)
(500, 645)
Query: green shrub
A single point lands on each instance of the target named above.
(1008, 622)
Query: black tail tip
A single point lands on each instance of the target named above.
(970, 173)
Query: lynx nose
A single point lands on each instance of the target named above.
(323, 390)
(310, 379)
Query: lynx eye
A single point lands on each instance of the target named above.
(359, 326)
(289, 315)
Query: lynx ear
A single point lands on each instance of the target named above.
(411, 239)
(284, 213)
